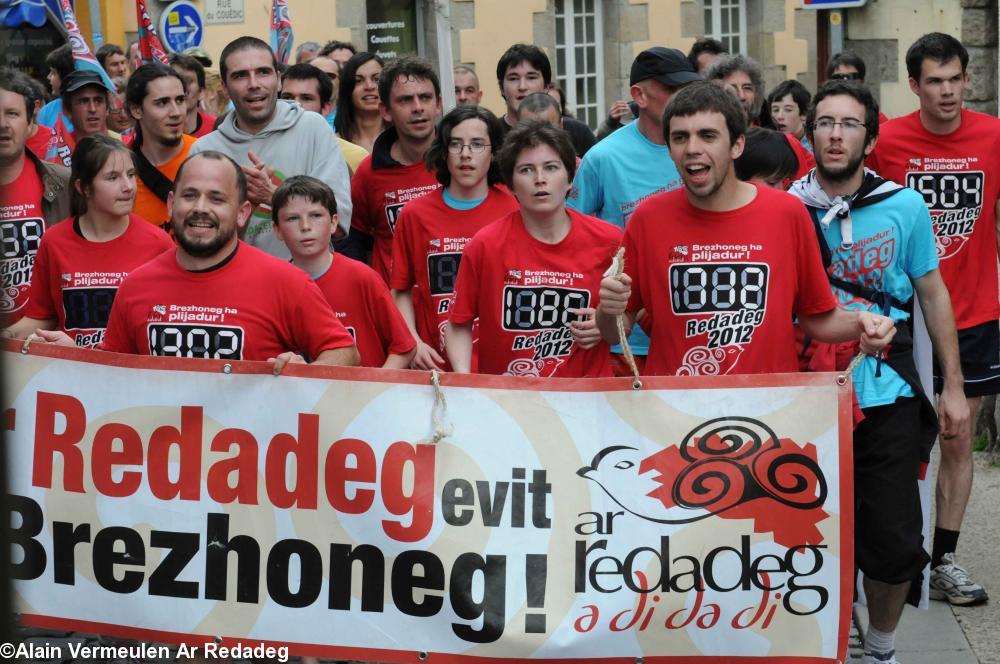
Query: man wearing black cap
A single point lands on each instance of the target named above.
(85, 101)
(633, 163)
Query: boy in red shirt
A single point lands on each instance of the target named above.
(395, 172)
(951, 156)
(721, 266)
(432, 231)
(533, 276)
(305, 217)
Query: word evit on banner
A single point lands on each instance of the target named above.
(168, 501)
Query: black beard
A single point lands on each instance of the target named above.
(201, 249)
(172, 142)
(844, 174)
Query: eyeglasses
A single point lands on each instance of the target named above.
(826, 125)
(475, 147)
(849, 76)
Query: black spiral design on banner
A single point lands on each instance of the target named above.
(794, 490)
(740, 437)
(733, 460)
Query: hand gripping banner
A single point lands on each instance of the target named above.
(200, 502)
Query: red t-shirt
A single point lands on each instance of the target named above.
(362, 303)
(76, 280)
(720, 288)
(378, 196)
(806, 160)
(521, 289)
(958, 175)
(205, 124)
(251, 307)
(427, 250)
(21, 229)
(45, 145)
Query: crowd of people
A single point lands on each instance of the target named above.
(341, 217)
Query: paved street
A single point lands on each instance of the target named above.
(943, 635)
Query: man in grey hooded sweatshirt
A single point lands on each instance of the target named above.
(273, 139)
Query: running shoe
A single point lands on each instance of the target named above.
(950, 581)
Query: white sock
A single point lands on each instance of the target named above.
(882, 643)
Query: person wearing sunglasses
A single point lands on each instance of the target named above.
(848, 66)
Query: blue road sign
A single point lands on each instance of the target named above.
(181, 26)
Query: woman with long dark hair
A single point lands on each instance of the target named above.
(82, 260)
(358, 119)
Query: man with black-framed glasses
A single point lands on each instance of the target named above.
(878, 248)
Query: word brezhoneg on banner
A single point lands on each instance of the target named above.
(171, 501)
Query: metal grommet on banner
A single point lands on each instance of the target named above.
(26, 346)
(638, 660)
(227, 368)
(218, 639)
(844, 377)
(422, 656)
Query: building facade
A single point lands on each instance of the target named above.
(592, 42)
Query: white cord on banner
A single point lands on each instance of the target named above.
(439, 410)
(26, 347)
(616, 269)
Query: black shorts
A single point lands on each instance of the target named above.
(979, 348)
(888, 527)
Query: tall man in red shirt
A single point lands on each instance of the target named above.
(410, 98)
(33, 194)
(722, 265)
(952, 157)
(216, 297)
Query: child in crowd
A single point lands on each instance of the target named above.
(82, 260)
(304, 211)
(768, 159)
(432, 231)
(533, 277)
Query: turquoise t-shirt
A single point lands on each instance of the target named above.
(458, 203)
(893, 244)
(615, 176)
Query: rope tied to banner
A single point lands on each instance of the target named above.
(616, 270)
(438, 411)
(26, 346)
(846, 376)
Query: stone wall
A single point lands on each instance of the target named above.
(979, 35)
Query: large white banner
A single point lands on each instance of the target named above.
(696, 519)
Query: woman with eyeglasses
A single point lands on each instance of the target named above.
(82, 260)
(432, 231)
(532, 278)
